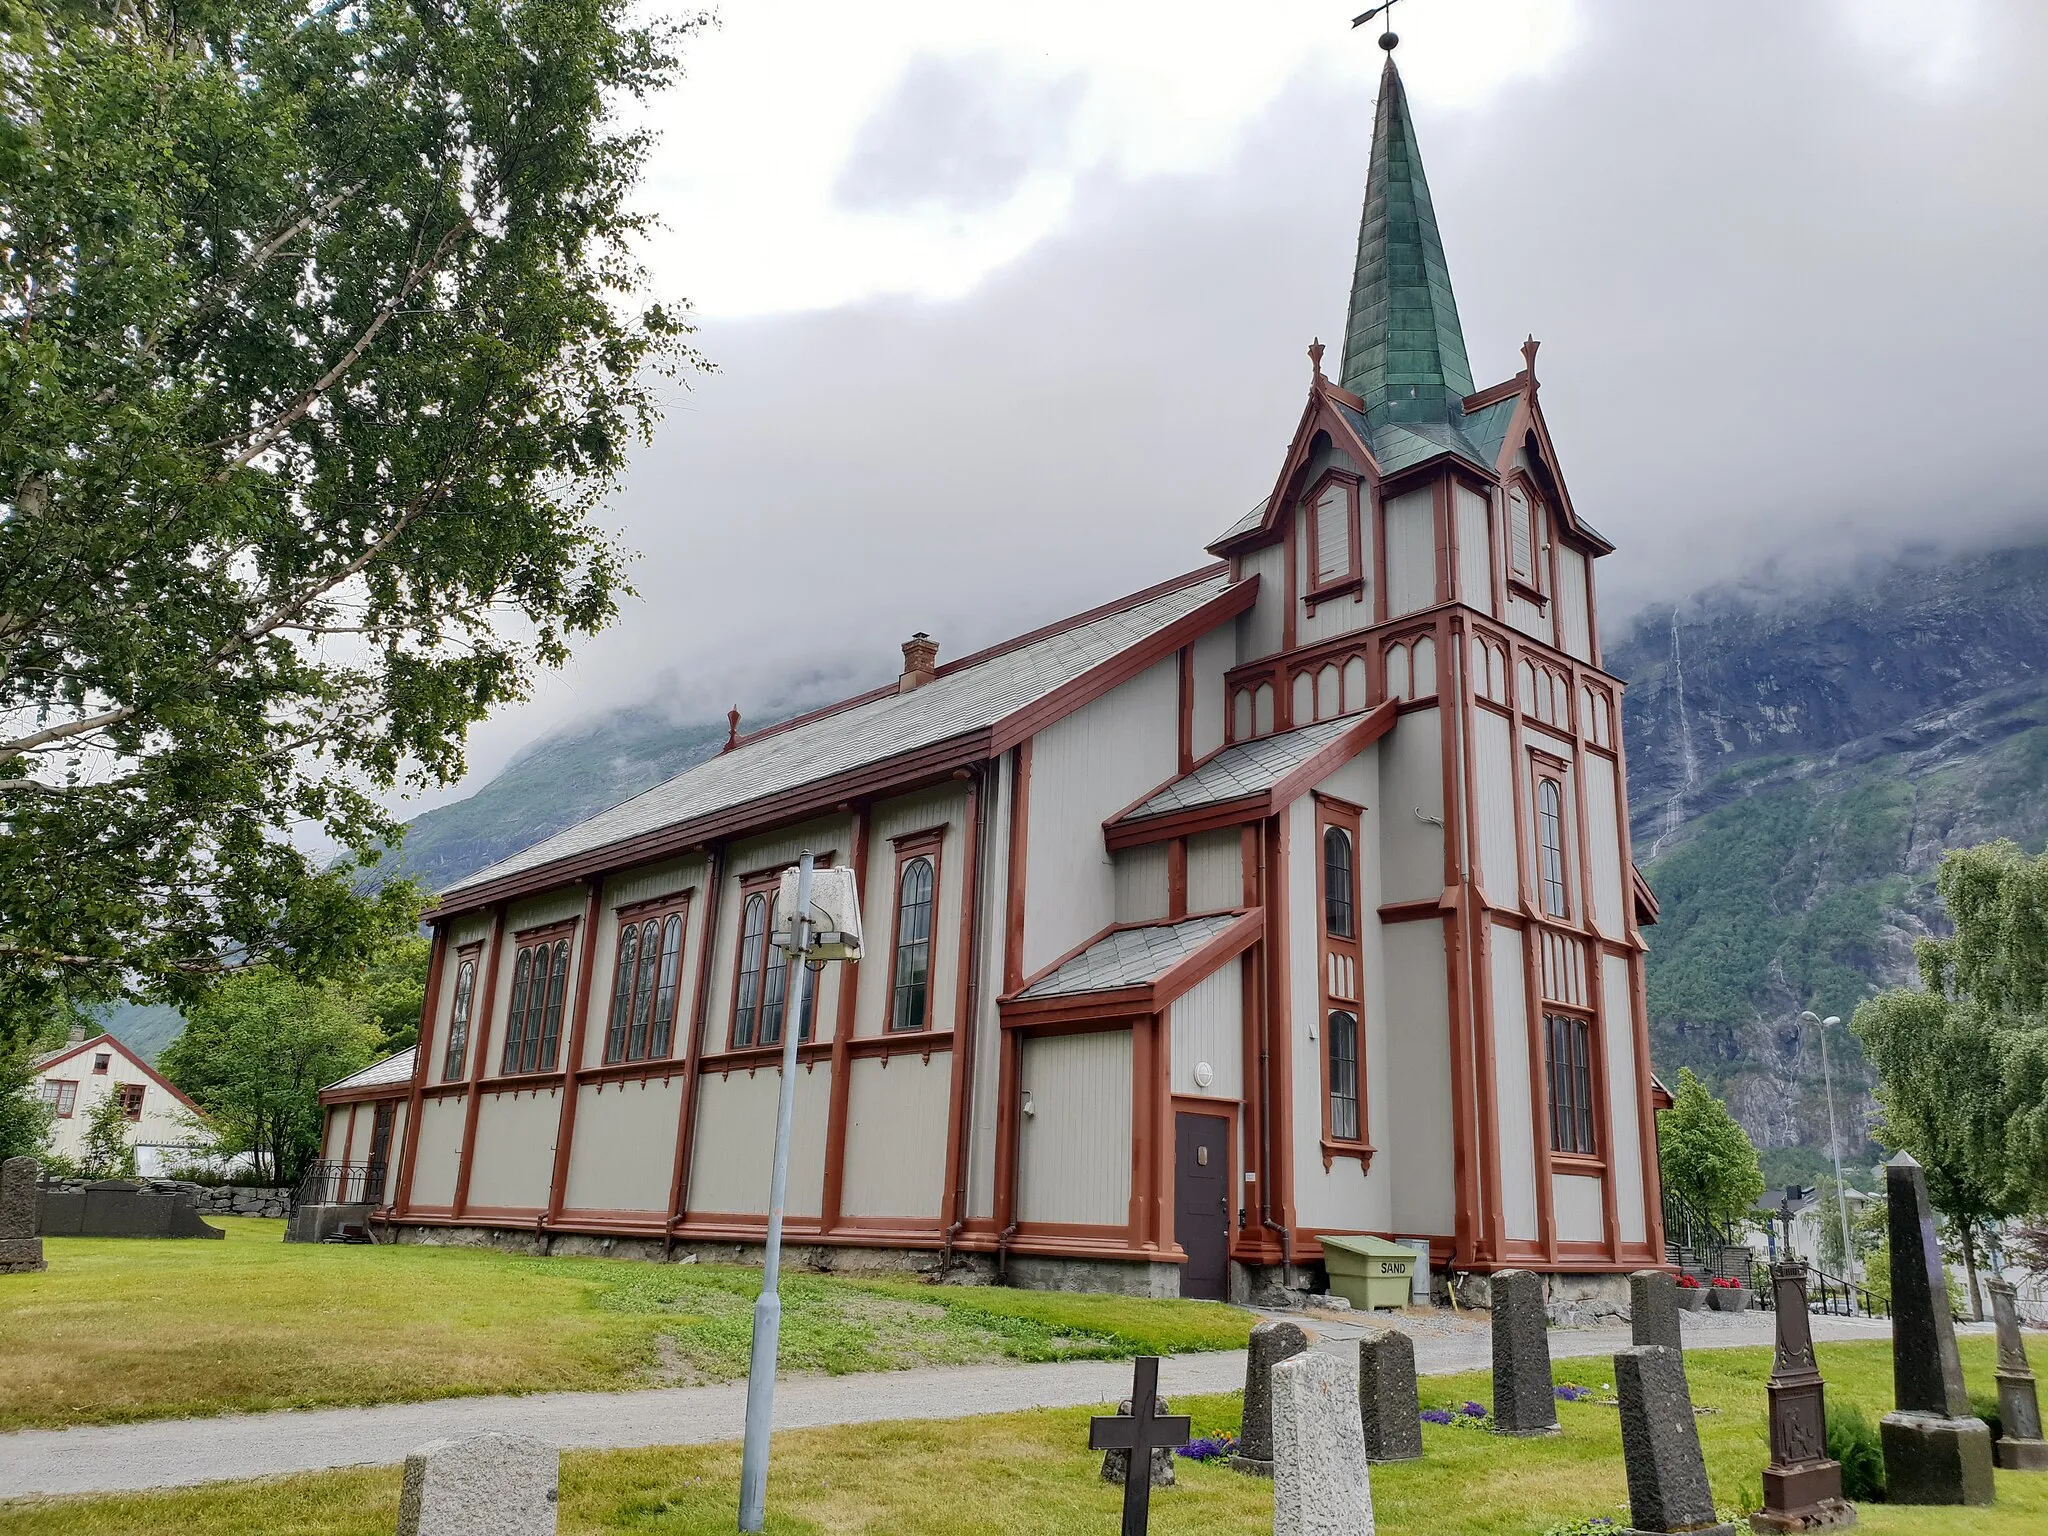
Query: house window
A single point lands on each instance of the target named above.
(101, 1062)
(61, 1096)
(644, 981)
(1340, 959)
(775, 988)
(1550, 838)
(1339, 912)
(533, 1029)
(1521, 537)
(1343, 1041)
(458, 1020)
(1331, 529)
(131, 1099)
(1569, 1043)
(753, 942)
(910, 964)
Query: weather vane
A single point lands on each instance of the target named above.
(1389, 39)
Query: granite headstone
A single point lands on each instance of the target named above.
(1802, 1485)
(481, 1485)
(1271, 1342)
(1116, 1461)
(21, 1251)
(1935, 1450)
(1321, 1483)
(1653, 1308)
(1524, 1396)
(1660, 1444)
(2019, 1447)
(1389, 1405)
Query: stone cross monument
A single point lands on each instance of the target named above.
(1802, 1486)
(1935, 1450)
(2019, 1447)
(21, 1251)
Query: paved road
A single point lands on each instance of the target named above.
(181, 1452)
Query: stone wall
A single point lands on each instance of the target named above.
(210, 1200)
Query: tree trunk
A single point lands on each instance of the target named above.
(1970, 1264)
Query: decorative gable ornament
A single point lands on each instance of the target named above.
(835, 914)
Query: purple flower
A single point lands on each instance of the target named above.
(1572, 1394)
(1474, 1410)
(1436, 1415)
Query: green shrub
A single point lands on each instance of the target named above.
(1853, 1441)
(1985, 1406)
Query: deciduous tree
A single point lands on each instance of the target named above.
(257, 1049)
(1705, 1155)
(318, 353)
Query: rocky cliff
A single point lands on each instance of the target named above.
(1799, 759)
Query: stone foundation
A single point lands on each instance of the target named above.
(1272, 1285)
(1112, 1277)
(1569, 1300)
(812, 1258)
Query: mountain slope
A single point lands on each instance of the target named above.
(1798, 762)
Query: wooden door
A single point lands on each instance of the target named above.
(1201, 1203)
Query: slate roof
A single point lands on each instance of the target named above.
(1248, 768)
(387, 1073)
(1130, 957)
(969, 696)
(1244, 524)
(1487, 427)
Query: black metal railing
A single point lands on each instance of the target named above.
(1826, 1295)
(341, 1184)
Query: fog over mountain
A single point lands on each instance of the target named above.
(1784, 273)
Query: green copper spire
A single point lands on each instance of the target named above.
(1403, 350)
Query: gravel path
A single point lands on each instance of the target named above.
(180, 1452)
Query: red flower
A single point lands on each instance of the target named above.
(1688, 1282)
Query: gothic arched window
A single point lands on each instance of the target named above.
(909, 1005)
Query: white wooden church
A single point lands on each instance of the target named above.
(1289, 897)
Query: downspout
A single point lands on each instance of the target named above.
(971, 1024)
(1266, 1220)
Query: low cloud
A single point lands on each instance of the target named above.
(1789, 294)
(957, 135)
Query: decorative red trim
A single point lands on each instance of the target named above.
(104, 1042)
(565, 1130)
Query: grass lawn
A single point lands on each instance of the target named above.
(123, 1330)
(1026, 1474)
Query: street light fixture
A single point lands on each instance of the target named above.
(1834, 1146)
(822, 910)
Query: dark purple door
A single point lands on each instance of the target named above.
(1201, 1203)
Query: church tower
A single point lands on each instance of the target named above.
(1457, 1041)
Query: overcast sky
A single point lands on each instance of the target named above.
(1009, 303)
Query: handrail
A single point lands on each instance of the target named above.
(341, 1184)
(1685, 1226)
(1826, 1294)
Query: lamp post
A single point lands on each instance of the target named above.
(1834, 1146)
(841, 942)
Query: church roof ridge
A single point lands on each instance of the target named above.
(972, 694)
(1404, 350)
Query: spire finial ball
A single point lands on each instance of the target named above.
(1390, 40)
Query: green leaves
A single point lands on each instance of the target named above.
(1705, 1156)
(318, 358)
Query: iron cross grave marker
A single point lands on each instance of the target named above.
(1144, 1432)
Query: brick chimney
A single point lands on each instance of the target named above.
(920, 662)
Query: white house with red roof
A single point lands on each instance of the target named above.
(166, 1128)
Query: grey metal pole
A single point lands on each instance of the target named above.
(768, 1309)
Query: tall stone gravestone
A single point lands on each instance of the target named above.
(1389, 1405)
(1935, 1451)
(1802, 1485)
(2019, 1447)
(481, 1485)
(1271, 1343)
(1321, 1484)
(1660, 1445)
(21, 1251)
(1524, 1396)
(1653, 1308)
